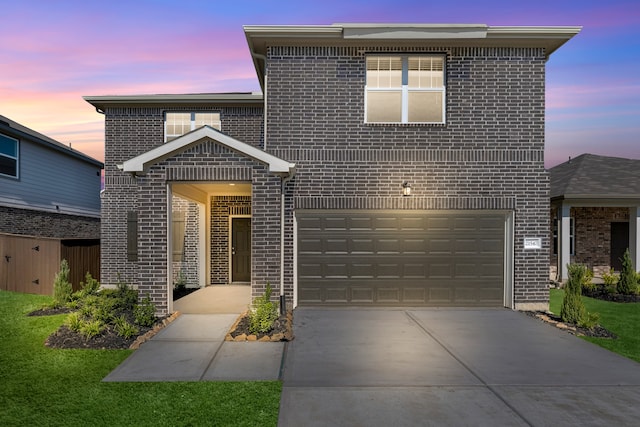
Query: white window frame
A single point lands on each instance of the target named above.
(194, 114)
(16, 157)
(572, 236)
(405, 89)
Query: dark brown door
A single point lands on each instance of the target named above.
(619, 243)
(240, 249)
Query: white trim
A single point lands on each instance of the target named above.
(634, 236)
(229, 244)
(169, 235)
(509, 238)
(62, 209)
(142, 163)
(202, 245)
(295, 261)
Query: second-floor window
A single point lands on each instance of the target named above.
(177, 124)
(8, 156)
(405, 89)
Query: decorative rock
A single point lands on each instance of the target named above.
(241, 337)
(264, 339)
(252, 338)
(561, 326)
(277, 337)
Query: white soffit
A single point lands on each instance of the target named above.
(141, 163)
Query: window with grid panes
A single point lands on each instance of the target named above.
(405, 89)
(177, 124)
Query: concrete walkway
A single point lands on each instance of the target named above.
(192, 348)
(365, 367)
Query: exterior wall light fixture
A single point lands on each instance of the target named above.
(406, 189)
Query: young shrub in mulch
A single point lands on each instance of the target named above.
(573, 310)
(628, 281)
(62, 288)
(263, 313)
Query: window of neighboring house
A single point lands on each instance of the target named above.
(405, 89)
(572, 233)
(177, 229)
(132, 236)
(9, 152)
(177, 124)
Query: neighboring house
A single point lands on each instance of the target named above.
(595, 213)
(49, 209)
(405, 164)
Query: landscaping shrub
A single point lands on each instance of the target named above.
(628, 281)
(91, 328)
(145, 312)
(263, 313)
(73, 321)
(587, 280)
(124, 328)
(573, 309)
(62, 288)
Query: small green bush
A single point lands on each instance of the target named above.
(91, 328)
(628, 281)
(573, 310)
(610, 278)
(587, 280)
(181, 282)
(74, 321)
(145, 312)
(124, 328)
(62, 288)
(90, 286)
(263, 313)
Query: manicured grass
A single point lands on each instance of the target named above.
(42, 386)
(623, 319)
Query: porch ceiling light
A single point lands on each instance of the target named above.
(406, 189)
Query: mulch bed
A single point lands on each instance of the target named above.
(183, 292)
(597, 332)
(282, 330)
(601, 293)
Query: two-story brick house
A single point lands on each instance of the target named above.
(382, 165)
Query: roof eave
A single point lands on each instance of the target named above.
(102, 101)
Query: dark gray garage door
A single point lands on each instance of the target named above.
(395, 258)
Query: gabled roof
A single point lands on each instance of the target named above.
(260, 37)
(140, 165)
(596, 177)
(12, 128)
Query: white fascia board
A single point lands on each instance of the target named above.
(141, 163)
(554, 32)
(414, 31)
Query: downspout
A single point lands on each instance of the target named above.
(283, 300)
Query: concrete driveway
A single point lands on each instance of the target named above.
(449, 367)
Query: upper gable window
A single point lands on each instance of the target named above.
(9, 150)
(177, 124)
(405, 89)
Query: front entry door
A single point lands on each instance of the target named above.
(240, 249)
(619, 243)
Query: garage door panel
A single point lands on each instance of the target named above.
(401, 258)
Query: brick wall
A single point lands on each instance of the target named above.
(131, 131)
(29, 222)
(488, 155)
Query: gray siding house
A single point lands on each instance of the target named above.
(49, 209)
(382, 165)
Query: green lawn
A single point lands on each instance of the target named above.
(623, 319)
(42, 386)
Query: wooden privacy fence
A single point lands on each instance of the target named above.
(29, 264)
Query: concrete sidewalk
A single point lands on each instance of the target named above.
(192, 348)
(452, 367)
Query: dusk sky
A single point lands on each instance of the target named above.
(54, 52)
